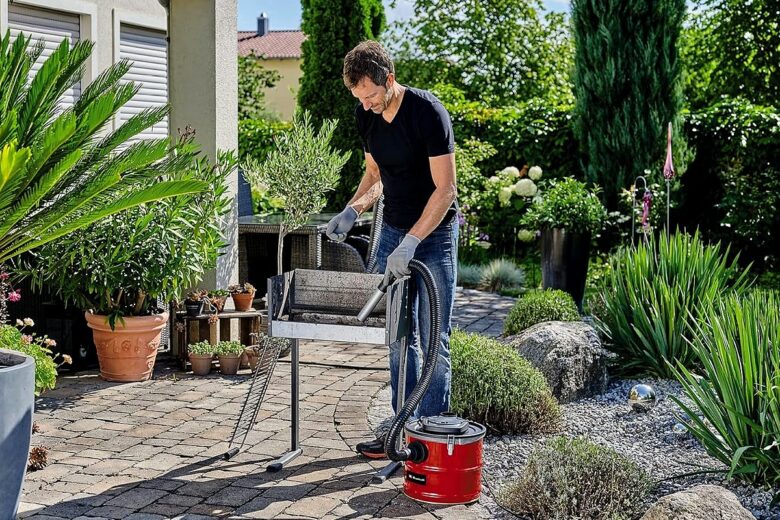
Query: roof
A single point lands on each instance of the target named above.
(272, 45)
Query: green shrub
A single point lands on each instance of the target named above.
(736, 341)
(469, 275)
(12, 338)
(228, 348)
(575, 478)
(501, 274)
(494, 385)
(256, 137)
(201, 348)
(538, 306)
(653, 291)
(568, 204)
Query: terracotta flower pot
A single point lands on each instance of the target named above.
(228, 365)
(243, 301)
(127, 353)
(201, 364)
(251, 354)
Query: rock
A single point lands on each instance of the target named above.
(569, 354)
(704, 502)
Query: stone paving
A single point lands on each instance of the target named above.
(153, 450)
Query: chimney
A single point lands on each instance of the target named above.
(262, 24)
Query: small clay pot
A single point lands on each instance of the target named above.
(243, 301)
(201, 363)
(228, 364)
(251, 354)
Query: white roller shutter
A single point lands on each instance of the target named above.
(51, 27)
(147, 50)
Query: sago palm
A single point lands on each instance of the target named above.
(61, 170)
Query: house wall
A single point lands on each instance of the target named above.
(282, 98)
(100, 21)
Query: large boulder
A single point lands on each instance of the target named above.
(569, 354)
(705, 502)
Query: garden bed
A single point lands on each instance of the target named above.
(647, 438)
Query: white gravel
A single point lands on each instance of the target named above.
(647, 438)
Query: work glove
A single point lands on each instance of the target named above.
(398, 261)
(339, 226)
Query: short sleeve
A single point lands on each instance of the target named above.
(361, 127)
(436, 130)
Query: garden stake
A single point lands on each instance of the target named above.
(668, 170)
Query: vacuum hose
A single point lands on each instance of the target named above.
(415, 451)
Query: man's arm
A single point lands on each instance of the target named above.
(370, 187)
(443, 173)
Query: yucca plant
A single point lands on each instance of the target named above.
(652, 291)
(61, 170)
(737, 388)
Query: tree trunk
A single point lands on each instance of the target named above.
(280, 248)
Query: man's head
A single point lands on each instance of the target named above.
(369, 74)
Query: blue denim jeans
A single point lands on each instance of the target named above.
(439, 252)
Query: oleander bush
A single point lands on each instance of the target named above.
(652, 293)
(539, 306)
(736, 343)
(575, 478)
(493, 385)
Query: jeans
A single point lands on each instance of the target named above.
(439, 252)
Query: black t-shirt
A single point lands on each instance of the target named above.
(421, 129)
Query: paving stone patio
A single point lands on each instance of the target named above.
(153, 450)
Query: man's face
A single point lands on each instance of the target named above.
(372, 96)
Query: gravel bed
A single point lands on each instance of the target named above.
(647, 438)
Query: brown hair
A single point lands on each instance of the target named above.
(367, 60)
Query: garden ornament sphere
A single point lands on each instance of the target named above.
(641, 398)
(679, 429)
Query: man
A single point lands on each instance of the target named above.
(409, 150)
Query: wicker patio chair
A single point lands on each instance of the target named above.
(357, 254)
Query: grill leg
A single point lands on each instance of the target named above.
(295, 448)
(393, 466)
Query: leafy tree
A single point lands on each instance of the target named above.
(627, 83)
(732, 48)
(63, 170)
(502, 51)
(333, 28)
(253, 80)
(299, 171)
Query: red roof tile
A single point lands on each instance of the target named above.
(272, 45)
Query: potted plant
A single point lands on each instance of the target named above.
(229, 354)
(201, 355)
(195, 301)
(124, 270)
(243, 295)
(567, 215)
(300, 169)
(27, 367)
(218, 299)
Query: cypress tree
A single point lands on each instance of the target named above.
(333, 28)
(628, 85)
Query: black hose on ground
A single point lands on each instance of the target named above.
(416, 451)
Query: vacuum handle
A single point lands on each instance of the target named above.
(372, 302)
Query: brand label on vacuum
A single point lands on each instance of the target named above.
(416, 478)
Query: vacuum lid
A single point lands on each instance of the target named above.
(445, 424)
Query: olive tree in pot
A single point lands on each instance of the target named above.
(125, 269)
(568, 215)
(300, 170)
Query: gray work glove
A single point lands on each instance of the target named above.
(339, 226)
(398, 261)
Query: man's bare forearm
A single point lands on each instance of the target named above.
(435, 211)
(367, 194)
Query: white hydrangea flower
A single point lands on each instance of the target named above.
(493, 179)
(511, 170)
(504, 195)
(524, 235)
(29, 322)
(525, 188)
(535, 173)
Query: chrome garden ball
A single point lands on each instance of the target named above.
(641, 398)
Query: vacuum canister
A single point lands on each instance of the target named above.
(451, 472)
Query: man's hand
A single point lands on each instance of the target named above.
(398, 261)
(339, 226)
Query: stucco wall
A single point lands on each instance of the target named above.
(282, 98)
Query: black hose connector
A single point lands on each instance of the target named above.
(413, 451)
